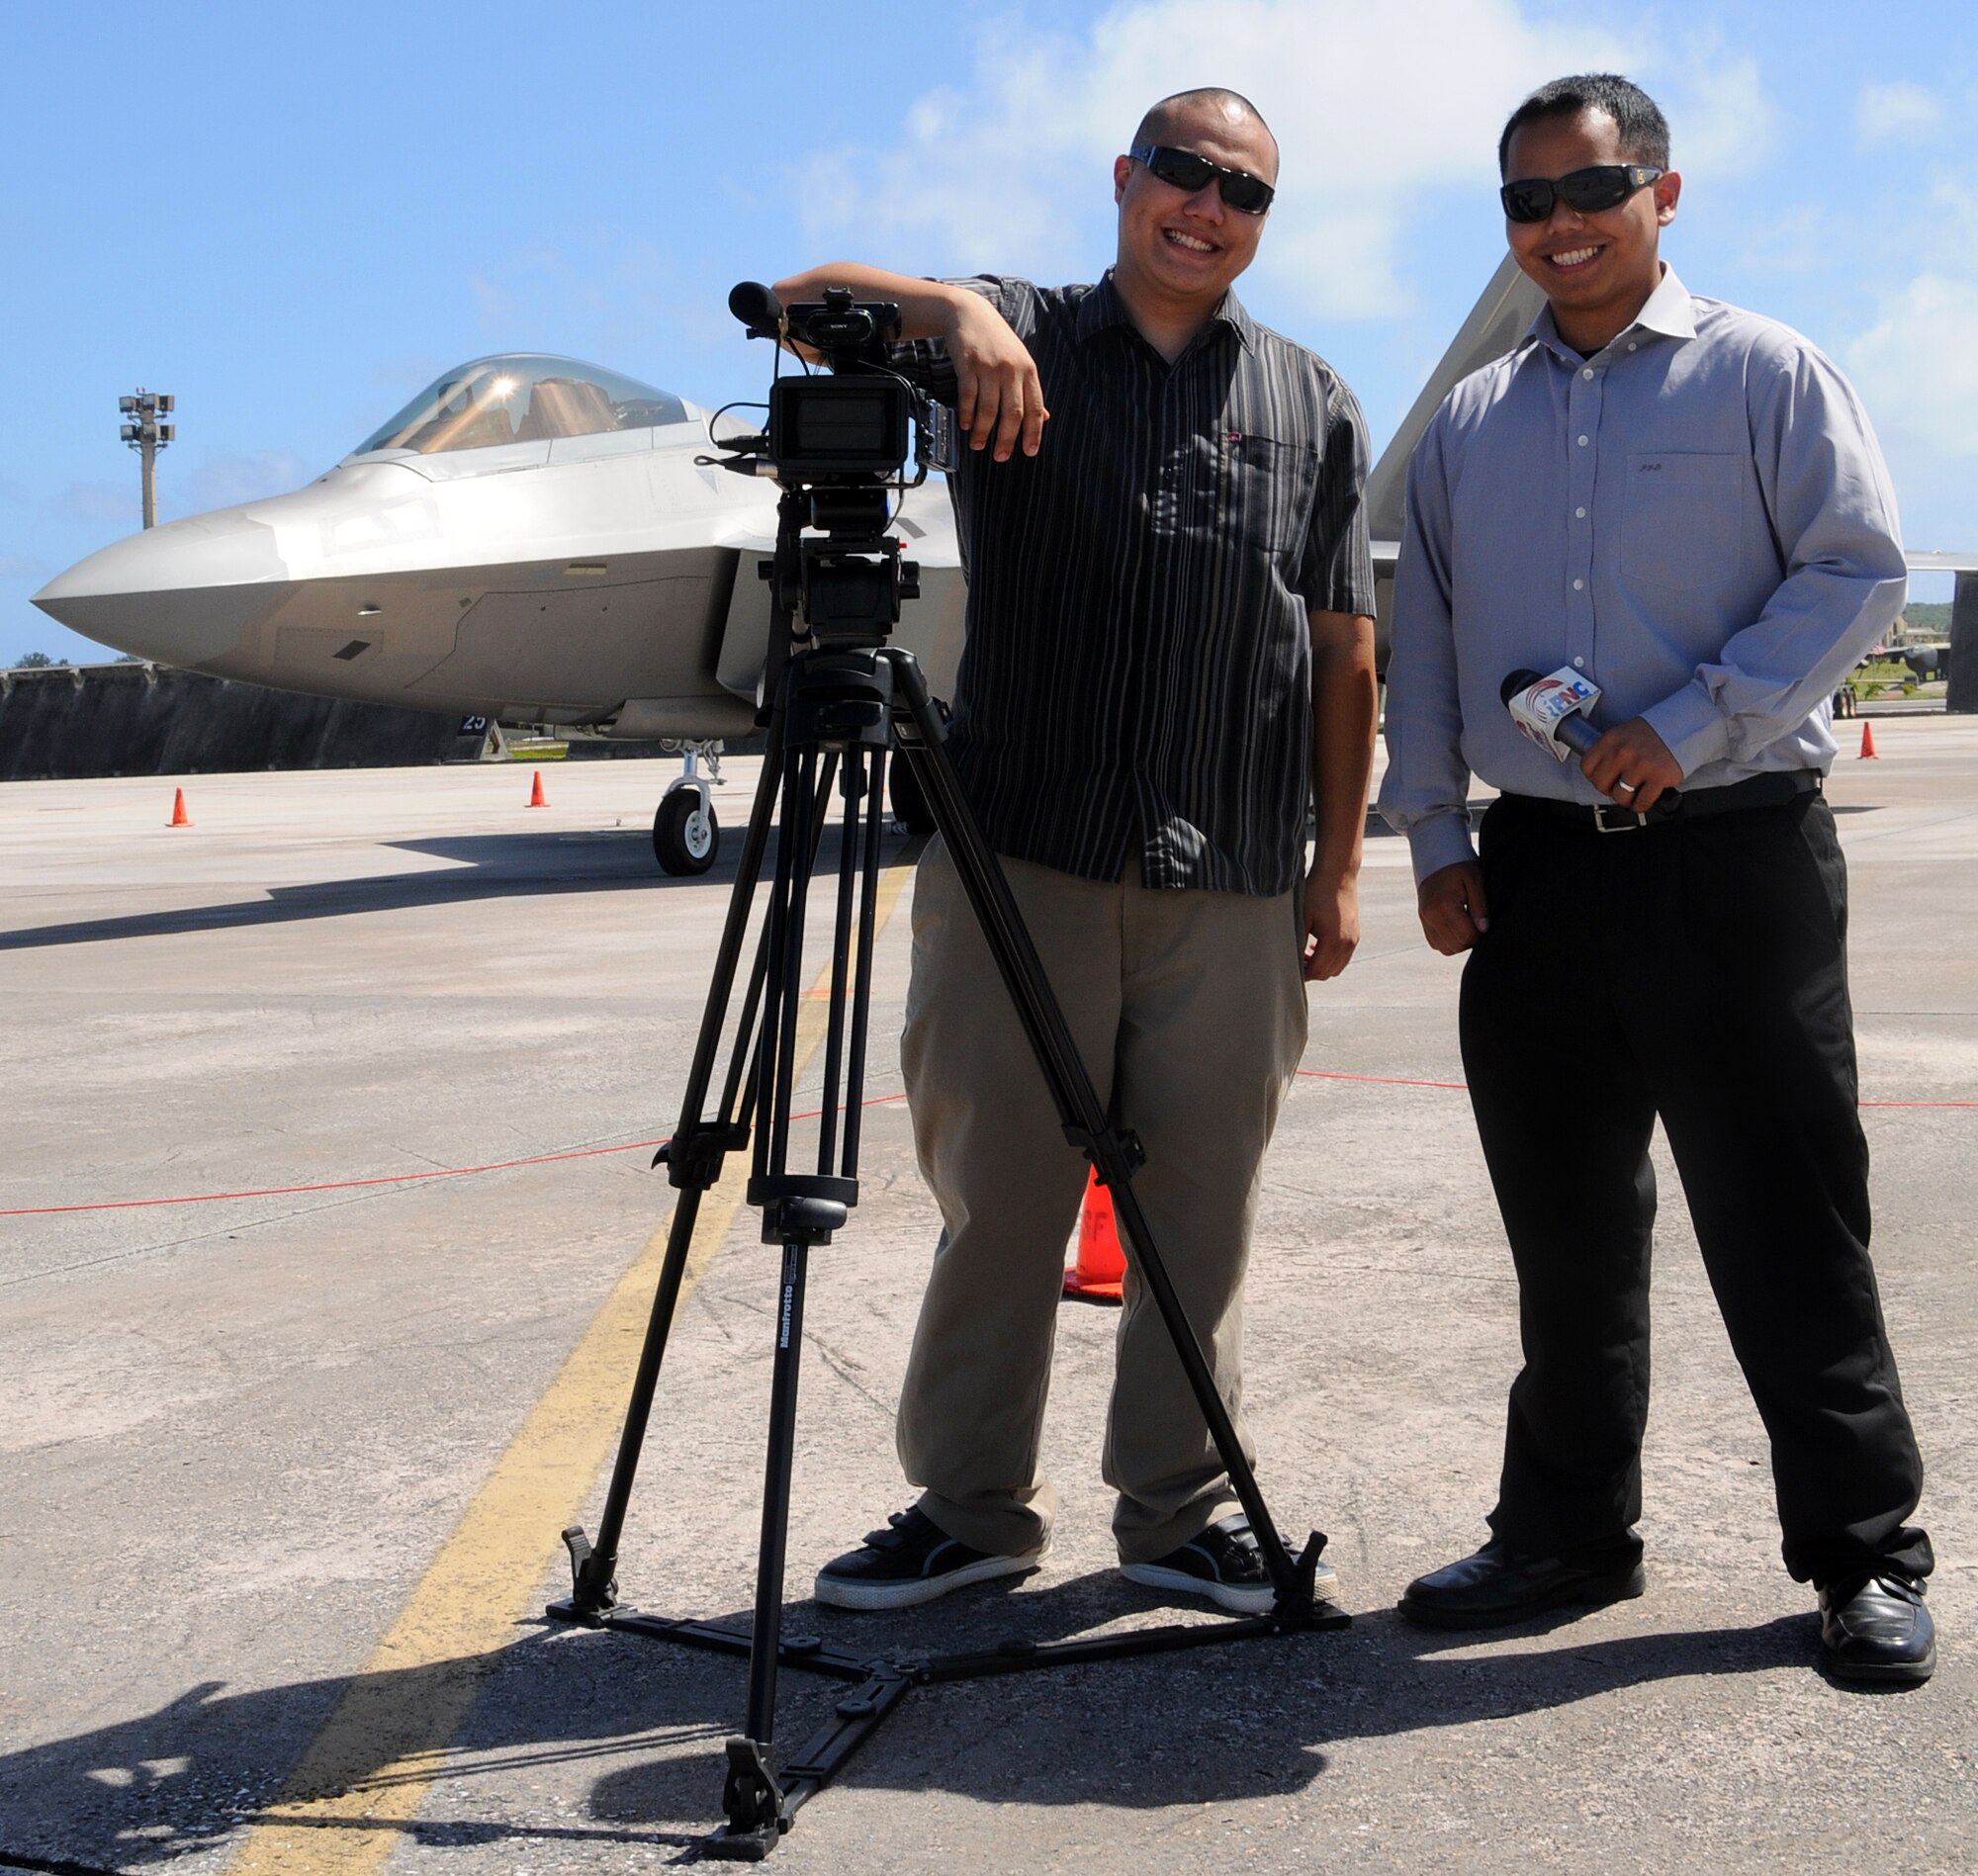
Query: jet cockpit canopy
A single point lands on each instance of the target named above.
(522, 398)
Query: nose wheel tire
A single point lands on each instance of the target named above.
(686, 834)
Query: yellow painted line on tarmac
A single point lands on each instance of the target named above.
(346, 1805)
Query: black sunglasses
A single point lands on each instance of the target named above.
(1604, 186)
(1184, 169)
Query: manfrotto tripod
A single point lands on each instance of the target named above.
(839, 706)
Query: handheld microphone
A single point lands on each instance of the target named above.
(1553, 711)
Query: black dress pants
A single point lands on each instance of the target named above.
(1695, 969)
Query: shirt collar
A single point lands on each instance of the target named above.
(1103, 308)
(1668, 311)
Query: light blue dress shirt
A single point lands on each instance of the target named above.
(1696, 517)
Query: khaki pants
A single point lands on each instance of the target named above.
(1189, 1011)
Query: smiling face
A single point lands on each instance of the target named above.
(1597, 269)
(1179, 252)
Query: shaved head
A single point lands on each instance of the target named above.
(1174, 115)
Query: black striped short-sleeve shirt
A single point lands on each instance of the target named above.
(1137, 669)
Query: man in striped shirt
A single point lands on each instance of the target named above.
(1169, 653)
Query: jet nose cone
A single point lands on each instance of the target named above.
(178, 594)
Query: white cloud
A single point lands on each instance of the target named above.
(1373, 106)
(1915, 368)
(1897, 113)
(1722, 124)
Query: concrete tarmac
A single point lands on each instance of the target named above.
(280, 1474)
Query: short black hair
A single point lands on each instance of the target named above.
(1645, 132)
(1154, 122)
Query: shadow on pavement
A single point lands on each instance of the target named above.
(485, 866)
(1179, 1729)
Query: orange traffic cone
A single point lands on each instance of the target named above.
(1868, 743)
(537, 799)
(1101, 1265)
(180, 819)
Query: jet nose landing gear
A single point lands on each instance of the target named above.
(686, 836)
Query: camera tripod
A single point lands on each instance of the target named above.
(835, 715)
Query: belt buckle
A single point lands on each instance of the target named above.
(1630, 824)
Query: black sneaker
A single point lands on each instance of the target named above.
(1224, 1564)
(912, 1560)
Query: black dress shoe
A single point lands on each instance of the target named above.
(1877, 1630)
(1499, 1585)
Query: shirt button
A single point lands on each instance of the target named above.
(1579, 514)
(1579, 586)
(1633, 347)
(1580, 663)
(1582, 442)
(1587, 373)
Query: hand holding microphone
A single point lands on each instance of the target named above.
(1631, 764)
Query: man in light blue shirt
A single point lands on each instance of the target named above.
(1681, 503)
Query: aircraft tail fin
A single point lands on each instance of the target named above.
(1495, 323)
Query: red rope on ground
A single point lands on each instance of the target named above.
(1390, 1081)
(380, 1179)
(635, 1146)
(1916, 1104)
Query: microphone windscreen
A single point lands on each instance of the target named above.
(755, 306)
(1517, 681)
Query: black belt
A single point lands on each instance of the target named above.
(1775, 790)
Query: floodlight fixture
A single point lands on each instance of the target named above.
(147, 437)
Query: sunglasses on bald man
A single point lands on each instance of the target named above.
(1184, 169)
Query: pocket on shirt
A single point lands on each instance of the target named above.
(1681, 520)
(1263, 488)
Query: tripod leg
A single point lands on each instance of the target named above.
(766, 1633)
(752, 1797)
(594, 1566)
(1085, 1120)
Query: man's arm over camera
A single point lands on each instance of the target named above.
(1342, 758)
(1000, 400)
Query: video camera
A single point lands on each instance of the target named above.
(839, 446)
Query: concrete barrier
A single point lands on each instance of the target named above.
(70, 722)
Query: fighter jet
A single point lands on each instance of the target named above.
(531, 540)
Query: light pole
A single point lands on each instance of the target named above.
(147, 437)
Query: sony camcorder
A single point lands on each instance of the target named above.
(839, 446)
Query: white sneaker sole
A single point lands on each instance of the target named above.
(1242, 1599)
(839, 1593)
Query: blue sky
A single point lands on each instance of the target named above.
(292, 218)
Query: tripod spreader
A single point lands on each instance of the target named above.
(694, 1158)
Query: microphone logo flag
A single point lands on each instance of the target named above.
(1540, 708)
